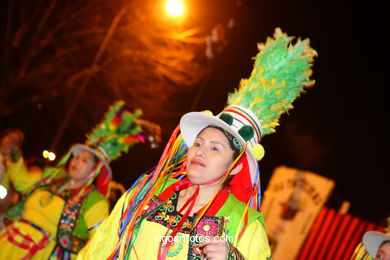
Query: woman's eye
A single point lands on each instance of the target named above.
(196, 144)
(214, 148)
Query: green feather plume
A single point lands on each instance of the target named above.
(281, 72)
(117, 132)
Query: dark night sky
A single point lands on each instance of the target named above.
(337, 129)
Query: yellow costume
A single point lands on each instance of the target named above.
(34, 233)
(157, 219)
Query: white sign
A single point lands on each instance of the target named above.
(291, 203)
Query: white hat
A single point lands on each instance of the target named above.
(372, 241)
(95, 150)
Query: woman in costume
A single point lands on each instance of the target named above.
(375, 244)
(59, 209)
(9, 138)
(202, 199)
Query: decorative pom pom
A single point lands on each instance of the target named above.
(208, 112)
(227, 118)
(246, 132)
(258, 151)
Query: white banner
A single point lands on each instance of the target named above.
(291, 202)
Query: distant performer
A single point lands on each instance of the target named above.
(60, 207)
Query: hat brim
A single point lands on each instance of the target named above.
(372, 240)
(77, 148)
(191, 124)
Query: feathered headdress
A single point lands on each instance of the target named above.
(281, 72)
(113, 136)
(117, 132)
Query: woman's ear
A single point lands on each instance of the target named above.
(236, 169)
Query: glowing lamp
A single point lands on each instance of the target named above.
(51, 156)
(174, 7)
(45, 154)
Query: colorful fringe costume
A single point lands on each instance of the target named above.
(52, 222)
(145, 223)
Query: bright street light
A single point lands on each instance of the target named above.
(174, 7)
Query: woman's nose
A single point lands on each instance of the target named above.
(200, 152)
(75, 161)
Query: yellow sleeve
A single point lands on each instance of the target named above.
(19, 176)
(4, 181)
(253, 244)
(97, 213)
(105, 238)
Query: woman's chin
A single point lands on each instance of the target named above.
(195, 179)
(72, 174)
